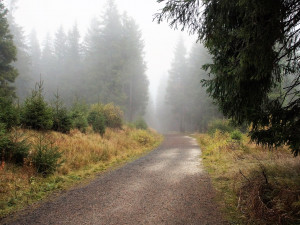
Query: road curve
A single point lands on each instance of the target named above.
(167, 186)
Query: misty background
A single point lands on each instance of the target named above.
(112, 51)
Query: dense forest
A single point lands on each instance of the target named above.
(182, 103)
(104, 65)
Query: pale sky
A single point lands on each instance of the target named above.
(160, 40)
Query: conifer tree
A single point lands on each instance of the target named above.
(35, 56)
(22, 64)
(8, 52)
(134, 77)
(176, 89)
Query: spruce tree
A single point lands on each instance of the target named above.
(8, 52)
(134, 77)
(22, 64)
(255, 45)
(176, 89)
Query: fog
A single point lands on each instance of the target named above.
(47, 16)
(51, 21)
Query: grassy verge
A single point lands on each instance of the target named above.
(254, 185)
(83, 156)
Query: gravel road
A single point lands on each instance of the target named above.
(167, 186)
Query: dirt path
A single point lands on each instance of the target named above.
(168, 186)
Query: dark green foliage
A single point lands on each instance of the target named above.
(141, 124)
(36, 113)
(79, 113)
(23, 82)
(97, 119)
(61, 118)
(8, 55)
(46, 157)
(62, 121)
(13, 147)
(99, 124)
(9, 114)
(255, 47)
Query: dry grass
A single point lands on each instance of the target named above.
(255, 185)
(83, 156)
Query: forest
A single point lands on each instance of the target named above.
(78, 103)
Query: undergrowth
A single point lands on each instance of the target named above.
(255, 185)
(82, 156)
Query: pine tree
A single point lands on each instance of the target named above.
(255, 45)
(22, 64)
(176, 89)
(134, 78)
(8, 51)
(48, 68)
(35, 55)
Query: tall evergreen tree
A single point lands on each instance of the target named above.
(255, 45)
(22, 64)
(111, 62)
(35, 56)
(47, 68)
(8, 53)
(176, 89)
(134, 78)
(73, 66)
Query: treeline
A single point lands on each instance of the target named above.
(183, 104)
(105, 65)
(108, 70)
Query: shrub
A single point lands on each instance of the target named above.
(113, 115)
(79, 113)
(9, 116)
(96, 118)
(221, 125)
(61, 119)
(46, 157)
(236, 135)
(141, 124)
(36, 113)
(13, 147)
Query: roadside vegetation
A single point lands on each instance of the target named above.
(46, 146)
(255, 185)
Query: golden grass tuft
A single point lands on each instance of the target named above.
(83, 155)
(254, 184)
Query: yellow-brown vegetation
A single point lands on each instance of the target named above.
(83, 155)
(255, 185)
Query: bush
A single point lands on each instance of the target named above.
(141, 124)
(79, 113)
(36, 114)
(113, 115)
(61, 119)
(13, 147)
(46, 157)
(222, 125)
(9, 115)
(96, 118)
(236, 135)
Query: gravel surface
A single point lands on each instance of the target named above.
(167, 186)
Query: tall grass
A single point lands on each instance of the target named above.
(255, 185)
(83, 155)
